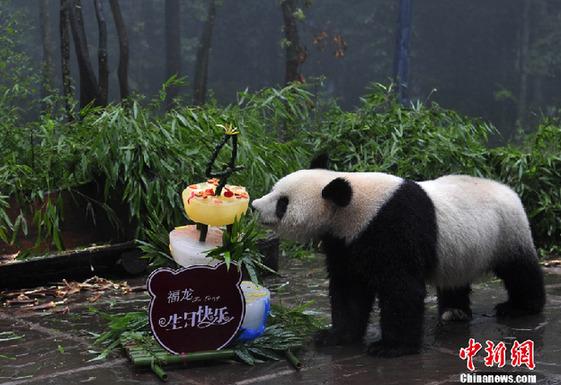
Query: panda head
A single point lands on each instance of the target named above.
(302, 205)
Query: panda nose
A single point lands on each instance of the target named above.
(255, 205)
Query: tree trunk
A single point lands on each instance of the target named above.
(88, 82)
(541, 12)
(64, 25)
(523, 65)
(401, 59)
(173, 45)
(47, 41)
(295, 54)
(103, 71)
(151, 21)
(123, 71)
(201, 66)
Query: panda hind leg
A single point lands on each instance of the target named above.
(523, 280)
(454, 304)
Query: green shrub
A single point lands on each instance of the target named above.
(146, 159)
(425, 142)
(534, 171)
(419, 143)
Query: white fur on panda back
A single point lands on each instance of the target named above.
(480, 221)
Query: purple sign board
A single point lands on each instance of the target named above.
(195, 308)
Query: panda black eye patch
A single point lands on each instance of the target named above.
(282, 204)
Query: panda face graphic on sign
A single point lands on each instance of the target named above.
(196, 308)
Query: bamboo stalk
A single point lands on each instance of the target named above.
(294, 361)
(146, 358)
(158, 371)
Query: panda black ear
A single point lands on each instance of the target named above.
(338, 191)
(320, 161)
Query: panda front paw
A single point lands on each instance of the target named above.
(378, 349)
(455, 315)
(330, 337)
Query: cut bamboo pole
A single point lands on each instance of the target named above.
(294, 361)
(142, 357)
(158, 371)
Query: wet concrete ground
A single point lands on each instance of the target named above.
(55, 347)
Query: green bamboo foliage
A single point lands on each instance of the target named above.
(424, 142)
(289, 330)
(534, 171)
(144, 158)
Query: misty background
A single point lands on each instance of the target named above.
(499, 60)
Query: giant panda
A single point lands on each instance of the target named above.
(386, 236)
